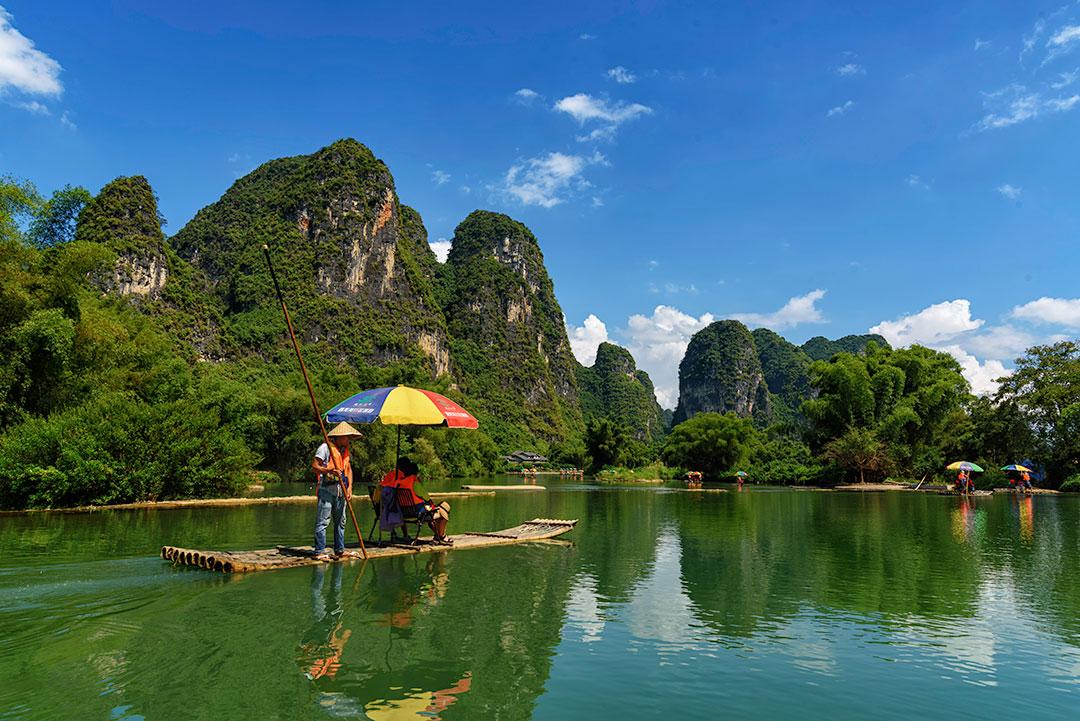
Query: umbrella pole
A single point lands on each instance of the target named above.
(311, 392)
(397, 453)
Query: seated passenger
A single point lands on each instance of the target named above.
(422, 507)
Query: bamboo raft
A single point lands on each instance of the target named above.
(538, 529)
(504, 488)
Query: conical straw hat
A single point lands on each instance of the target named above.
(343, 429)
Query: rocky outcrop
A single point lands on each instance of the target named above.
(721, 373)
(124, 217)
(510, 348)
(614, 388)
(352, 260)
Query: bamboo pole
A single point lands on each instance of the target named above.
(311, 394)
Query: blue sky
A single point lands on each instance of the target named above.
(818, 167)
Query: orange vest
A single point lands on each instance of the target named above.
(339, 461)
(395, 479)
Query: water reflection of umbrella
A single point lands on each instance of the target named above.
(401, 406)
(963, 466)
(1017, 467)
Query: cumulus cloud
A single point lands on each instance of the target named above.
(1001, 342)
(800, 309)
(441, 248)
(440, 177)
(1057, 311)
(1011, 192)
(840, 109)
(849, 69)
(621, 75)
(547, 180)
(935, 324)
(658, 343)
(585, 338)
(31, 106)
(23, 67)
(982, 376)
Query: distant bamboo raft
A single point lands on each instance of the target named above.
(504, 488)
(271, 559)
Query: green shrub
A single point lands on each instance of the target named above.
(1071, 484)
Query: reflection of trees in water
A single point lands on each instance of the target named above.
(466, 635)
(1035, 542)
(747, 562)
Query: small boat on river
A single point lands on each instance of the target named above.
(538, 529)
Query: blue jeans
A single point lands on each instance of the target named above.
(331, 504)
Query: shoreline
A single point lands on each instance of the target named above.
(212, 502)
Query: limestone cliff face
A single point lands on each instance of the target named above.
(614, 388)
(511, 352)
(353, 261)
(721, 373)
(123, 216)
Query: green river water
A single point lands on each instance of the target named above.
(761, 604)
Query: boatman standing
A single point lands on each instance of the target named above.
(334, 489)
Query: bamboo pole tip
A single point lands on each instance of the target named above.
(265, 247)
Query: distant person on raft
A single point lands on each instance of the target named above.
(333, 470)
(406, 475)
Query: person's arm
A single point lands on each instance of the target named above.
(420, 492)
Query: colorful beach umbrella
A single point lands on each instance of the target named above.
(1017, 467)
(964, 466)
(401, 406)
(741, 474)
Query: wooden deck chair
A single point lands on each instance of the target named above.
(404, 498)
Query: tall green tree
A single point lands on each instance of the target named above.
(713, 443)
(604, 442)
(859, 450)
(19, 202)
(58, 217)
(1046, 388)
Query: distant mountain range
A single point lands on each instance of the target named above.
(367, 293)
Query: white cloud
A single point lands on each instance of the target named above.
(939, 323)
(605, 133)
(840, 109)
(465, 189)
(441, 248)
(980, 44)
(584, 339)
(67, 122)
(586, 36)
(658, 343)
(1067, 35)
(621, 75)
(545, 180)
(849, 69)
(1003, 342)
(800, 309)
(31, 106)
(583, 108)
(1058, 311)
(597, 201)
(1065, 79)
(1011, 192)
(1016, 104)
(440, 177)
(982, 376)
(526, 96)
(22, 66)
(915, 181)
